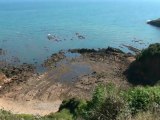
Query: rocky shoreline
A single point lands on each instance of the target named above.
(15, 74)
(154, 22)
(72, 76)
(23, 72)
(54, 58)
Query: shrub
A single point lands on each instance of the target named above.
(74, 106)
(109, 110)
(117, 104)
(106, 104)
(62, 115)
(152, 51)
(146, 69)
(142, 98)
(98, 97)
(5, 115)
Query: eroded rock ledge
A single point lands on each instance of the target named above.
(154, 22)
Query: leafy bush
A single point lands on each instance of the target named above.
(109, 110)
(98, 98)
(62, 115)
(106, 104)
(4, 115)
(152, 51)
(141, 99)
(73, 105)
(146, 69)
(118, 104)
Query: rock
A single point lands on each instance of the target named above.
(102, 51)
(54, 59)
(2, 52)
(82, 51)
(53, 37)
(2, 78)
(133, 49)
(131, 59)
(10, 70)
(116, 50)
(81, 37)
(154, 22)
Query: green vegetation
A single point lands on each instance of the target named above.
(146, 69)
(152, 51)
(108, 103)
(5, 115)
(62, 115)
(105, 104)
(112, 103)
(143, 99)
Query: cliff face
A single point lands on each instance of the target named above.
(154, 22)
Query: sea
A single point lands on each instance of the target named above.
(25, 25)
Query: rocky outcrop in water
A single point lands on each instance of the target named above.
(53, 59)
(80, 36)
(133, 49)
(2, 52)
(103, 50)
(154, 22)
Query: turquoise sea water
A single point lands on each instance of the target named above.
(24, 26)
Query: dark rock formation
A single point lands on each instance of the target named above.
(2, 52)
(54, 59)
(133, 49)
(80, 36)
(154, 22)
(103, 50)
(11, 71)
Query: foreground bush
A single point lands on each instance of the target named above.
(117, 104)
(111, 103)
(62, 115)
(105, 104)
(4, 115)
(143, 99)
